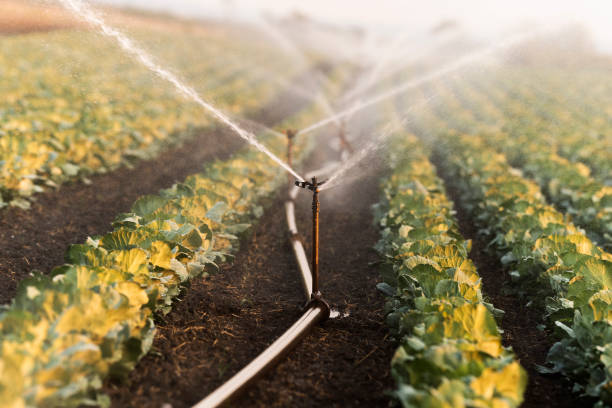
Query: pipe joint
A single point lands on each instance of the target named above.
(316, 299)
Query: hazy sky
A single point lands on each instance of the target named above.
(481, 16)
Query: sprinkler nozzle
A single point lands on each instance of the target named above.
(291, 133)
(308, 185)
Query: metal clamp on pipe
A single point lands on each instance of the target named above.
(314, 185)
(317, 300)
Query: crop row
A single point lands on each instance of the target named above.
(568, 185)
(511, 103)
(545, 254)
(541, 109)
(92, 318)
(75, 106)
(450, 351)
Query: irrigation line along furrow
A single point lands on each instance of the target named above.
(315, 313)
(270, 356)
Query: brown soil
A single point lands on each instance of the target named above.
(38, 238)
(20, 16)
(225, 320)
(27, 16)
(519, 323)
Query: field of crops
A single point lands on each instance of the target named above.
(64, 120)
(148, 243)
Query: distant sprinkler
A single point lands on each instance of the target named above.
(344, 143)
(314, 187)
(290, 133)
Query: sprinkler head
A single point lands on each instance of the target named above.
(290, 133)
(308, 185)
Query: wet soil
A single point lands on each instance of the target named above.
(519, 323)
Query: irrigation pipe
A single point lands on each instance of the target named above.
(270, 356)
(315, 312)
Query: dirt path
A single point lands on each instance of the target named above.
(38, 238)
(346, 361)
(519, 322)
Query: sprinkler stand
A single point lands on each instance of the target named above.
(344, 143)
(314, 187)
(315, 238)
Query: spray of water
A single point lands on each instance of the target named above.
(79, 8)
(374, 145)
(298, 56)
(459, 63)
(379, 141)
(381, 61)
(389, 54)
(317, 97)
(400, 63)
